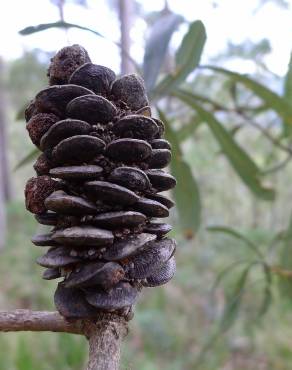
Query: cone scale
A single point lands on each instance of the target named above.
(98, 187)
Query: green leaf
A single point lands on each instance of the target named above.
(267, 294)
(154, 56)
(288, 82)
(234, 300)
(60, 24)
(187, 58)
(285, 282)
(186, 193)
(222, 274)
(189, 129)
(27, 159)
(235, 234)
(204, 99)
(288, 93)
(244, 166)
(189, 53)
(271, 99)
(286, 258)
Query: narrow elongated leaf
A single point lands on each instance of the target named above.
(214, 104)
(222, 274)
(244, 166)
(285, 281)
(272, 100)
(157, 45)
(189, 129)
(230, 313)
(288, 93)
(225, 140)
(27, 159)
(60, 24)
(267, 293)
(187, 58)
(286, 258)
(288, 83)
(186, 193)
(234, 300)
(235, 234)
(65, 25)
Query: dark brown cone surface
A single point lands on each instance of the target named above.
(98, 186)
(65, 62)
(36, 191)
(39, 124)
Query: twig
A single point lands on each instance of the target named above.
(281, 272)
(266, 133)
(105, 333)
(26, 320)
(241, 112)
(278, 166)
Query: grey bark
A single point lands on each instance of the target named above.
(125, 15)
(104, 334)
(105, 338)
(27, 320)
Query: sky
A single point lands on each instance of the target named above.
(225, 20)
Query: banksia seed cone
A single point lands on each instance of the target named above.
(98, 185)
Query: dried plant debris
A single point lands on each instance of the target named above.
(98, 186)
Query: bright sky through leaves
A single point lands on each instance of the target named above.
(225, 20)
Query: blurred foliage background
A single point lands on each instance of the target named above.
(229, 118)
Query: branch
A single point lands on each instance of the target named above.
(278, 166)
(105, 333)
(26, 320)
(105, 338)
(265, 132)
(125, 15)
